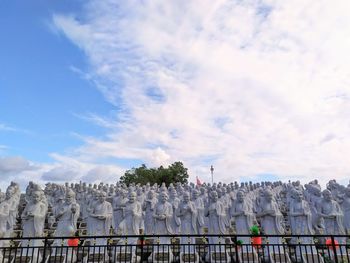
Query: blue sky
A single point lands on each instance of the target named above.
(257, 88)
(40, 95)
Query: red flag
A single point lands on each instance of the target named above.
(199, 182)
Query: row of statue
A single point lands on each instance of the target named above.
(179, 209)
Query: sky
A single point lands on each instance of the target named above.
(259, 89)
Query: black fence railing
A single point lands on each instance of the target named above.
(177, 248)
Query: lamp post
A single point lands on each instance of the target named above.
(212, 174)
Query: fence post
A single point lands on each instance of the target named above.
(236, 247)
(334, 250)
(45, 247)
(142, 243)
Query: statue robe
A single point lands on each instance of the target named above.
(33, 226)
(67, 220)
(217, 218)
(198, 203)
(163, 226)
(102, 226)
(148, 207)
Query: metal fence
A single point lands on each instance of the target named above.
(178, 248)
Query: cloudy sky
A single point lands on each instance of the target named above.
(258, 88)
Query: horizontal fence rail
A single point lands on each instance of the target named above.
(178, 248)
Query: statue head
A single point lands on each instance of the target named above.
(173, 193)
(195, 194)
(268, 195)
(9, 192)
(298, 196)
(186, 197)
(214, 196)
(163, 197)
(219, 192)
(70, 196)
(240, 196)
(347, 191)
(102, 196)
(150, 194)
(327, 195)
(132, 197)
(36, 197)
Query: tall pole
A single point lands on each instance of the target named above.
(212, 174)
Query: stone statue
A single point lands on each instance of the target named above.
(332, 215)
(242, 214)
(163, 213)
(271, 220)
(101, 217)
(132, 224)
(345, 205)
(217, 221)
(33, 216)
(148, 206)
(175, 221)
(33, 221)
(12, 202)
(300, 215)
(119, 202)
(301, 224)
(187, 213)
(4, 218)
(199, 205)
(67, 216)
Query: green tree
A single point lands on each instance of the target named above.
(174, 173)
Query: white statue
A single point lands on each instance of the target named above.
(148, 206)
(242, 214)
(199, 205)
(101, 217)
(67, 216)
(187, 213)
(119, 202)
(33, 221)
(163, 214)
(332, 215)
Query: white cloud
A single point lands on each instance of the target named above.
(16, 164)
(4, 127)
(253, 87)
(63, 169)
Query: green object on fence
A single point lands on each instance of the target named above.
(254, 230)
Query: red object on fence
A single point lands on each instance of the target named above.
(141, 242)
(257, 241)
(73, 242)
(331, 245)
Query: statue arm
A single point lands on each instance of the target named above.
(221, 210)
(155, 215)
(138, 211)
(4, 210)
(179, 212)
(293, 213)
(109, 211)
(42, 212)
(169, 212)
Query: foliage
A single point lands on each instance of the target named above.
(239, 242)
(174, 173)
(254, 230)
